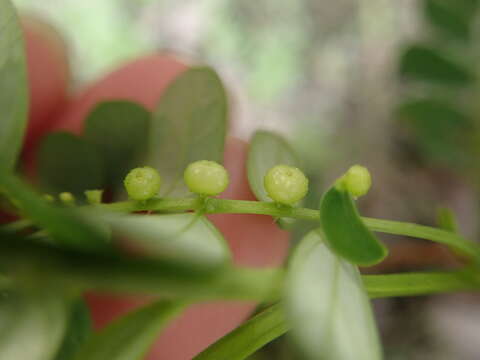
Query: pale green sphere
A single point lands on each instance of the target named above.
(206, 178)
(67, 198)
(357, 181)
(286, 184)
(142, 183)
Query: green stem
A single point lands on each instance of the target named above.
(226, 206)
(414, 284)
(449, 238)
(168, 205)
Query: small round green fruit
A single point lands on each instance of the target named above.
(357, 180)
(206, 178)
(67, 198)
(142, 183)
(286, 184)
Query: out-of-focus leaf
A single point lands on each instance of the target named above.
(327, 305)
(130, 337)
(79, 329)
(248, 337)
(66, 227)
(13, 86)
(32, 324)
(266, 150)
(188, 125)
(423, 63)
(119, 129)
(69, 163)
(183, 237)
(451, 17)
(111, 272)
(441, 131)
(345, 232)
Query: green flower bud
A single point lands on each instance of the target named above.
(285, 184)
(94, 197)
(206, 178)
(49, 198)
(67, 198)
(357, 181)
(142, 183)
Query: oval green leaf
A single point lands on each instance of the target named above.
(32, 324)
(13, 86)
(189, 125)
(178, 237)
(79, 329)
(423, 63)
(345, 232)
(327, 305)
(451, 18)
(68, 228)
(69, 163)
(130, 337)
(119, 130)
(248, 337)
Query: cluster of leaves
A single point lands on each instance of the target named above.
(56, 253)
(439, 74)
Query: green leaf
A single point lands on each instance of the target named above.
(248, 337)
(67, 227)
(32, 324)
(178, 237)
(130, 337)
(345, 232)
(69, 163)
(452, 18)
(188, 125)
(111, 272)
(327, 305)
(422, 63)
(13, 86)
(119, 129)
(441, 130)
(266, 150)
(78, 330)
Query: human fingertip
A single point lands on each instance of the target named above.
(48, 74)
(142, 81)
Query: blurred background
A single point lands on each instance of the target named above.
(392, 85)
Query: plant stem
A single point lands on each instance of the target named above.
(449, 238)
(227, 206)
(413, 284)
(167, 205)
